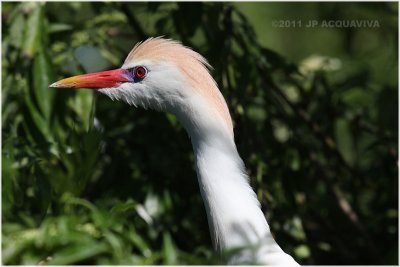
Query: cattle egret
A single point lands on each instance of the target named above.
(164, 75)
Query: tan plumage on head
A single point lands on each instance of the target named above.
(193, 65)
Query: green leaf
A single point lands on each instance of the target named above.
(33, 29)
(8, 177)
(84, 105)
(36, 126)
(17, 27)
(43, 76)
(302, 251)
(115, 243)
(76, 253)
(124, 207)
(345, 140)
(169, 251)
(16, 244)
(59, 27)
(139, 242)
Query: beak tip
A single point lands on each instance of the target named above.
(54, 85)
(61, 84)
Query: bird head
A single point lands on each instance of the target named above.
(164, 75)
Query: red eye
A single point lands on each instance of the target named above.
(140, 72)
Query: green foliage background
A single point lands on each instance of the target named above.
(89, 181)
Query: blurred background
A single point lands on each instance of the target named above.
(86, 180)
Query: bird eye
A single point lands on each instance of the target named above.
(140, 72)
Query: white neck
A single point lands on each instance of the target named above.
(234, 215)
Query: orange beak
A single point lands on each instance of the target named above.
(97, 80)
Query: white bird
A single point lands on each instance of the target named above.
(164, 75)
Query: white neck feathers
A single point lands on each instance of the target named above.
(233, 211)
